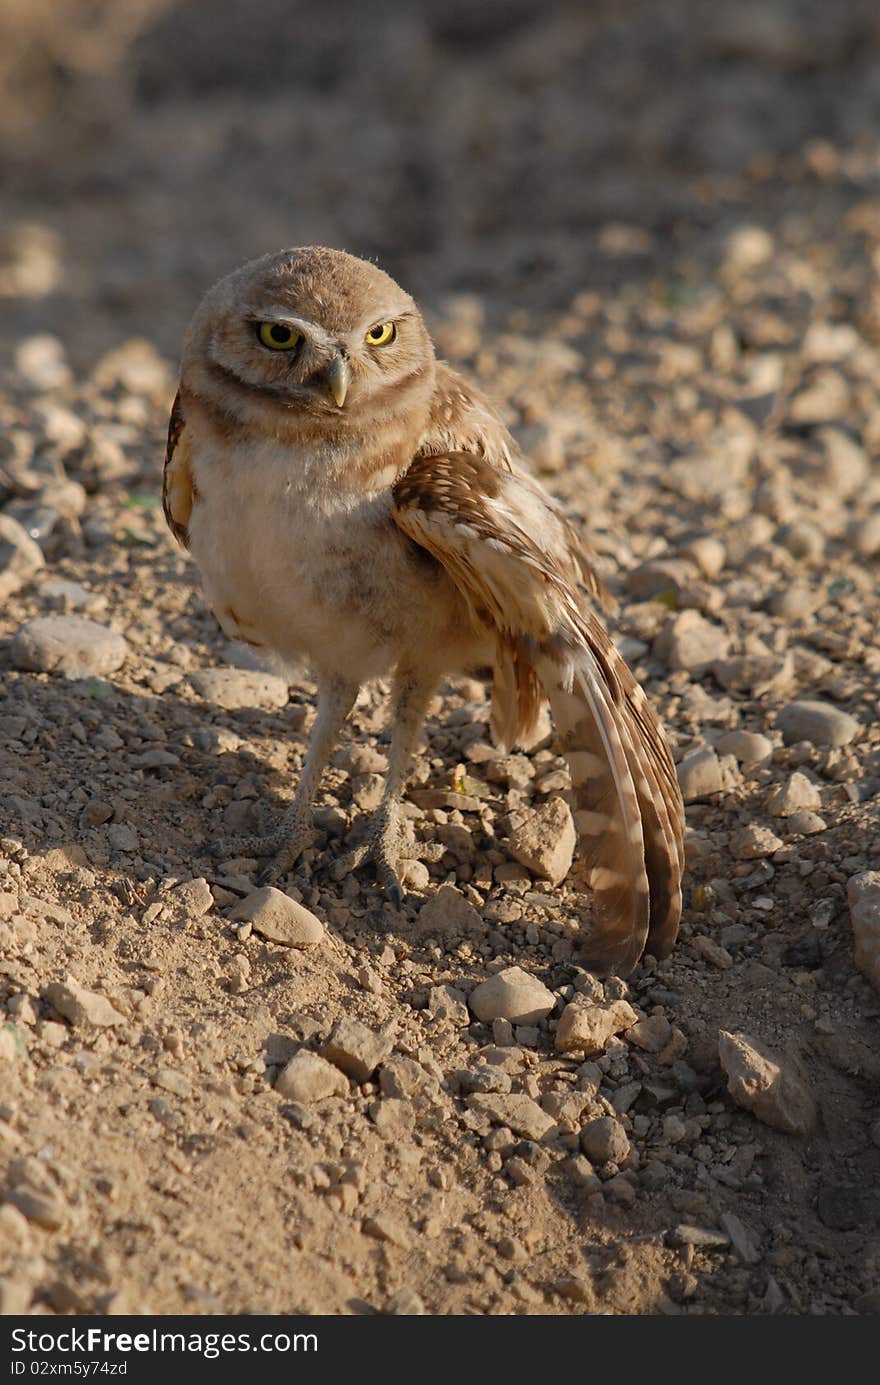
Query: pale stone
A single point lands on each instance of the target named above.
(585, 1028)
(236, 688)
(863, 893)
(767, 1085)
(750, 748)
(20, 556)
(278, 918)
(518, 1112)
(605, 1141)
(797, 792)
(700, 774)
(688, 641)
(753, 842)
(819, 722)
(356, 1049)
(308, 1077)
(543, 840)
(80, 1006)
(512, 994)
(71, 645)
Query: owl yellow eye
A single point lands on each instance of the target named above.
(382, 335)
(278, 336)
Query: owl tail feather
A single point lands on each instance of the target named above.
(627, 807)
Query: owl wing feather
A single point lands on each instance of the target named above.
(179, 492)
(500, 540)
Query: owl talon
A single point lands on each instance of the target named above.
(383, 849)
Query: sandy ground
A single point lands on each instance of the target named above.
(655, 242)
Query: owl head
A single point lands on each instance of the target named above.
(309, 340)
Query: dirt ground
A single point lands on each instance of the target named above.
(652, 233)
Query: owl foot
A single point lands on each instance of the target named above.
(285, 844)
(384, 847)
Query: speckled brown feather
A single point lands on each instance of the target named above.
(479, 520)
(179, 492)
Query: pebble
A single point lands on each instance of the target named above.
(818, 722)
(20, 556)
(796, 793)
(651, 1034)
(237, 688)
(357, 1050)
(767, 1085)
(701, 1237)
(605, 1141)
(41, 363)
(700, 774)
(193, 897)
(518, 1112)
(586, 1028)
(806, 824)
(753, 842)
(688, 641)
(750, 748)
(741, 1238)
(72, 645)
(82, 1007)
(308, 1077)
(863, 895)
(448, 912)
(512, 994)
(543, 840)
(278, 918)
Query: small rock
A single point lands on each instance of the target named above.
(512, 994)
(543, 840)
(236, 688)
(72, 645)
(518, 1112)
(742, 1240)
(448, 912)
(385, 1228)
(818, 722)
(357, 1050)
(863, 894)
(713, 952)
(308, 1077)
(193, 897)
(605, 1141)
(748, 747)
(770, 1087)
(806, 824)
(586, 1028)
(405, 1303)
(20, 556)
(447, 1003)
(753, 842)
(797, 792)
(82, 1007)
(700, 774)
(651, 1034)
(688, 641)
(841, 1207)
(278, 918)
(699, 1236)
(41, 363)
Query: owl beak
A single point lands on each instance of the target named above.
(336, 380)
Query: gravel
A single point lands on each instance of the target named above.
(278, 918)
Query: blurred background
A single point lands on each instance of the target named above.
(524, 152)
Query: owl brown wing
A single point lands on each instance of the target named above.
(179, 492)
(488, 529)
(462, 419)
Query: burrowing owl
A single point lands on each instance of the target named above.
(351, 499)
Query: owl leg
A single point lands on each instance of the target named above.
(384, 844)
(336, 697)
